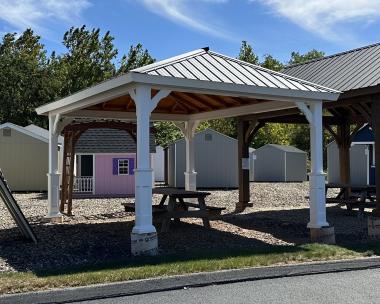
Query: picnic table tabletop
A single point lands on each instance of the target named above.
(353, 187)
(179, 193)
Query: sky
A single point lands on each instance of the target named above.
(170, 27)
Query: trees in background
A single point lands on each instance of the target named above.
(29, 78)
(24, 78)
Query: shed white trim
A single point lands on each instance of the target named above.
(24, 131)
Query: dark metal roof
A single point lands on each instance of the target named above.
(354, 69)
(206, 65)
(109, 141)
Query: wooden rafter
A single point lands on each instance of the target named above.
(193, 101)
(188, 106)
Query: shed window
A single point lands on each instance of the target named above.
(123, 167)
(208, 137)
(7, 132)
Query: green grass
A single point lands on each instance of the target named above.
(142, 268)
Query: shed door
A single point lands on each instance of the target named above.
(86, 165)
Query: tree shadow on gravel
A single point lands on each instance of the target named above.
(290, 225)
(62, 247)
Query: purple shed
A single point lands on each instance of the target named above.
(105, 160)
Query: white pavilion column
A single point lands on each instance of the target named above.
(317, 176)
(144, 237)
(190, 173)
(320, 230)
(53, 175)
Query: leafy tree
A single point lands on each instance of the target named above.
(271, 63)
(273, 133)
(24, 78)
(89, 59)
(137, 57)
(297, 58)
(246, 53)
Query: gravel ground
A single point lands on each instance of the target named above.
(99, 230)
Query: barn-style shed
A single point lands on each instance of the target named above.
(279, 163)
(215, 161)
(24, 156)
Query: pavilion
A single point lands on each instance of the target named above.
(187, 89)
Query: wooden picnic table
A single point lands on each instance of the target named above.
(179, 206)
(353, 196)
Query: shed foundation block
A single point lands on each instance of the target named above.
(324, 235)
(54, 218)
(144, 244)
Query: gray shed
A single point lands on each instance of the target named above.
(24, 156)
(359, 163)
(215, 161)
(278, 163)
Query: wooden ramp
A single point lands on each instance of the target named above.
(15, 211)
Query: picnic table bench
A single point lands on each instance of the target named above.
(177, 207)
(353, 196)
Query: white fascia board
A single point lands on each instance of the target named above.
(119, 86)
(261, 107)
(104, 91)
(128, 116)
(223, 113)
(230, 89)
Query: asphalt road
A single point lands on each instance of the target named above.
(357, 287)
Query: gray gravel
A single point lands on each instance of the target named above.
(99, 230)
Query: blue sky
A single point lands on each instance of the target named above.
(170, 27)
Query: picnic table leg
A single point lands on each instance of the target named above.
(181, 206)
(202, 206)
(166, 221)
(163, 199)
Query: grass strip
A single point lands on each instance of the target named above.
(161, 266)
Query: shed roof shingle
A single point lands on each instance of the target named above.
(108, 141)
(354, 69)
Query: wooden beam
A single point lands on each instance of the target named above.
(375, 118)
(271, 114)
(331, 131)
(243, 157)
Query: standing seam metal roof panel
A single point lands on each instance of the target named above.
(345, 71)
(209, 66)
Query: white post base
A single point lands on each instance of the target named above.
(143, 224)
(144, 244)
(53, 214)
(317, 201)
(191, 181)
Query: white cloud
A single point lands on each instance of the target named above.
(182, 12)
(326, 17)
(21, 14)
